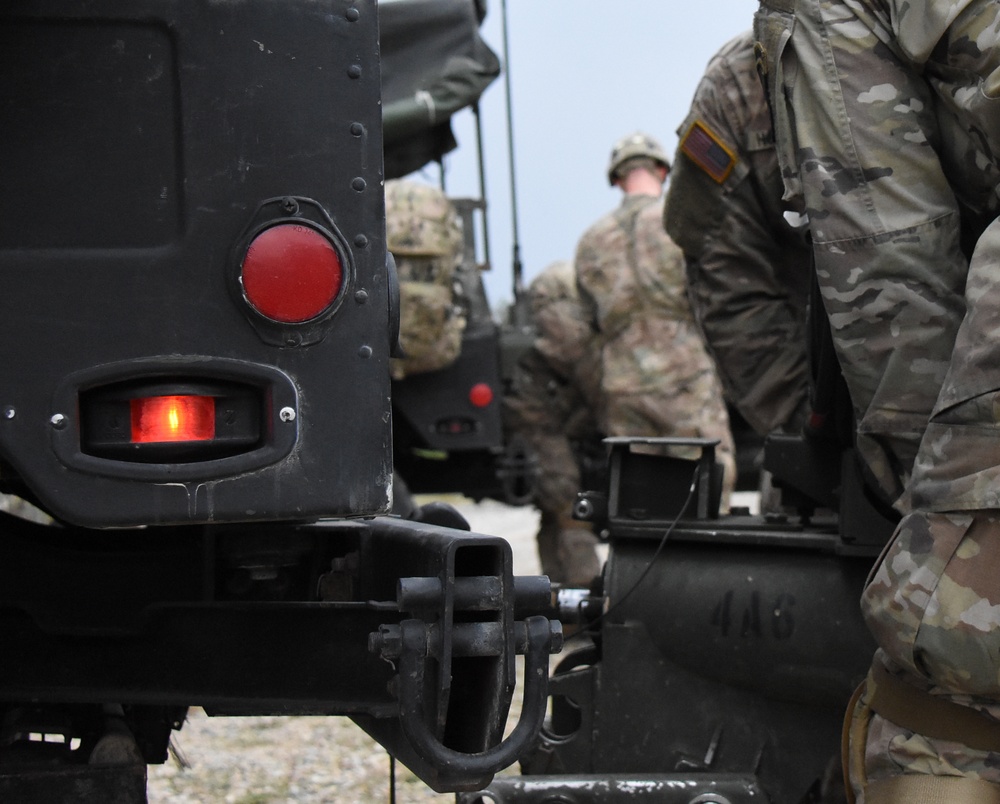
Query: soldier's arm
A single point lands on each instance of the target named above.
(747, 270)
(752, 322)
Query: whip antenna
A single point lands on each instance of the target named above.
(516, 253)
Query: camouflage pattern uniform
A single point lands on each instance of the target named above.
(424, 234)
(888, 128)
(657, 377)
(748, 270)
(551, 405)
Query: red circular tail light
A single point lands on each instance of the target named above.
(291, 273)
(480, 395)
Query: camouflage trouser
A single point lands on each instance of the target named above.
(567, 551)
(878, 105)
(565, 547)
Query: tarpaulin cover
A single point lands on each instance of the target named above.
(434, 63)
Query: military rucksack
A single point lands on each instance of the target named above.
(424, 234)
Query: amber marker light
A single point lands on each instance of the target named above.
(164, 419)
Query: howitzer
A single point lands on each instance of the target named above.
(723, 649)
(198, 315)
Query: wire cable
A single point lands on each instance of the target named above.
(652, 561)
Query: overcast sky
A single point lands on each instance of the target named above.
(583, 74)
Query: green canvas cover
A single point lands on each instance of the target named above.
(434, 64)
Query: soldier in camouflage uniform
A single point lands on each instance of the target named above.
(424, 234)
(748, 269)
(657, 377)
(888, 131)
(552, 405)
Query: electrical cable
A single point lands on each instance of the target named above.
(656, 553)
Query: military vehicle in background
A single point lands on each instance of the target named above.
(447, 430)
(198, 315)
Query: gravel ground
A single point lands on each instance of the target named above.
(273, 760)
(266, 760)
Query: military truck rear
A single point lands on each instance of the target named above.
(197, 317)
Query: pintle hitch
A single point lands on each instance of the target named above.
(454, 654)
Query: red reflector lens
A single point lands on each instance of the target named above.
(480, 395)
(159, 419)
(291, 273)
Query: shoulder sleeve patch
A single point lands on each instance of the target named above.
(708, 152)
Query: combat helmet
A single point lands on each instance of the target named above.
(635, 145)
(420, 221)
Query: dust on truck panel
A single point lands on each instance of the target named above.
(195, 318)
